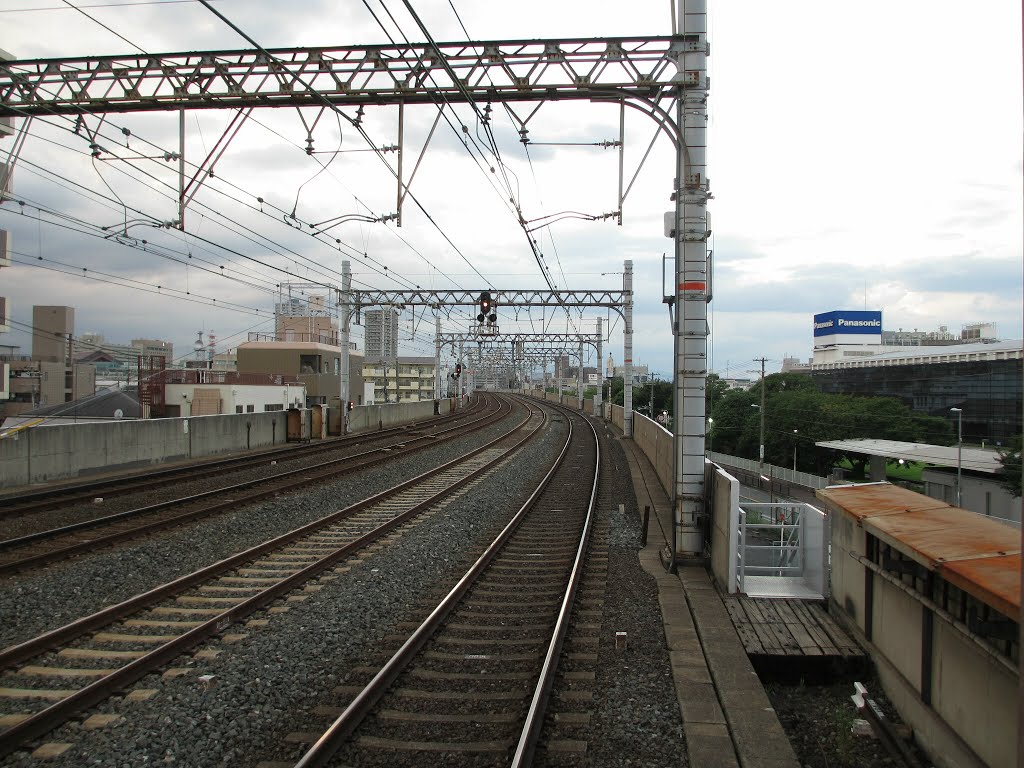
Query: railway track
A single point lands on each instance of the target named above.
(51, 678)
(470, 685)
(39, 548)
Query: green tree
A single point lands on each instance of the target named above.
(798, 416)
(1009, 457)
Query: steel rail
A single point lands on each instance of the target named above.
(45, 720)
(323, 750)
(271, 484)
(538, 704)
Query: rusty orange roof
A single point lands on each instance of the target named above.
(994, 580)
(977, 554)
(872, 499)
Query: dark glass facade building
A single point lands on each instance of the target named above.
(990, 392)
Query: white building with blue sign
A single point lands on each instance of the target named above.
(845, 333)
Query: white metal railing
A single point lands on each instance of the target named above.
(785, 546)
(805, 479)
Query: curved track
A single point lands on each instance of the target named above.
(471, 683)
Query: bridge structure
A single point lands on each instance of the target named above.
(662, 77)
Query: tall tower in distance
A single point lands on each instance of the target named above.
(382, 333)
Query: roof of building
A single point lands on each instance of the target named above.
(972, 459)
(109, 403)
(952, 353)
(977, 554)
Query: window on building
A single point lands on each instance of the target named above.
(309, 363)
(238, 409)
(250, 409)
(273, 407)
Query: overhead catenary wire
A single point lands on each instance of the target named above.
(320, 97)
(232, 223)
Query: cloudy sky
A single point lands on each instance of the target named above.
(862, 155)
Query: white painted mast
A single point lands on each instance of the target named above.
(691, 234)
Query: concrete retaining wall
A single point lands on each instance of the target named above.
(656, 443)
(365, 418)
(65, 451)
(724, 490)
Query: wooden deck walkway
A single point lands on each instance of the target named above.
(780, 627)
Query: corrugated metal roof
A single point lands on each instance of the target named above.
(864, 500)
(975, 459)
(995, 581)
(977, 554)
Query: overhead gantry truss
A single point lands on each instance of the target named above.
(415, 73)
(436, 299)
(494, 340)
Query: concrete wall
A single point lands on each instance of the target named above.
(618, 416)
(973, 718)
(725, 499)
(656, 444)
(365, 418)
(986, 496)
(61, 452)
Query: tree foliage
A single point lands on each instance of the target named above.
(1010, 458)
(797, 416)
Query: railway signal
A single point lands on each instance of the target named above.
(486, 308)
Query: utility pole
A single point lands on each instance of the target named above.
(760, 450)
(344, 379)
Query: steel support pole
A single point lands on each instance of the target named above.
(691, 292)
(600, 369)
(437, 357)
(346, 318)
(627, 349)
(181, 169)
(401, 154)
(580, 380)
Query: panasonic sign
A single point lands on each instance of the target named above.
(848, 323)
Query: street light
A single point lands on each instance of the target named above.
(711, 435)
(794, 450)
(959, 447)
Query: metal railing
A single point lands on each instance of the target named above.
(785, 541)
(782, 474)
